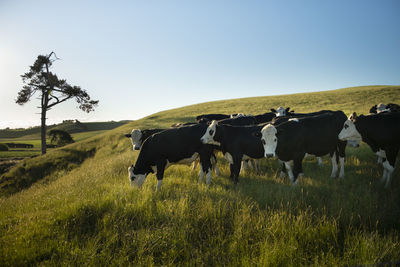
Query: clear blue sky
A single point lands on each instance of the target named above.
(141, 57)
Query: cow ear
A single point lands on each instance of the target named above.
(257, 134)
(287, 109)
(128, 135)
(273, 110)
(353, 116)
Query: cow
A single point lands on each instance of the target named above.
(172, 146)
(281, 111)
(138, 136)
(315, 135)
(381, 132)
(239, 121)
(263, 118)
(391, 107)
(210, 117)
(237, 143)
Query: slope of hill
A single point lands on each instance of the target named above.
(69, 126)
(82, 211)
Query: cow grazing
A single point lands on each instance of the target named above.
(381, 132)
(315, 135)
(173, 146)
(237, 143)
(138, 136)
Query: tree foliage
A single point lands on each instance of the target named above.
(40, 79)
(51, 89)
(60, 137)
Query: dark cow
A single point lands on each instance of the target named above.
(211, 117)
(138, 136)
(173, 146)
(236, 143)
(315, 135)
(381, 132)
(239, 121)
(263, 118)
(281, 111)
(391, 107)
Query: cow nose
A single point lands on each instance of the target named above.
(269, 155)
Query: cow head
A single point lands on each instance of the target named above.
(135, 178)
(136, 138)
(208, 137)
(269, 140)
(349, 131)
(281, 111)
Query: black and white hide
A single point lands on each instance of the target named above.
(381, 132)
(315, 135)
(237, 143)
(173, 146)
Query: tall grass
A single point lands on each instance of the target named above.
(91, 216)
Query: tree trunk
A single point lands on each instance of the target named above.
(43, 130)
(45, 100)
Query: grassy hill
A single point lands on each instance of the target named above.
(81, 209)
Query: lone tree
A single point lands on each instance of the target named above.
(60, 137)
(52, 90)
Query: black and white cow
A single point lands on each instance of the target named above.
(263, 118)
(172, 146)
(236, 143)
(239, 121)
(138, 136)
(281, 111)
(315, 135)
(211, 117)
(381, 132)
(391, 107)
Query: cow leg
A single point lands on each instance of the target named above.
(342, 154)
(194, 165)
(297, 168)
(236, 168)
(214, 164)
(341, 173)
(289, 169)
(319, 161)
(205, 163)
(201, 174)
(283, 170)
(160, 174)
(334, 165)
(389, 163)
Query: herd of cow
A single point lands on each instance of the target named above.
(281, 133)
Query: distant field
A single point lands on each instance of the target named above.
(74, 206)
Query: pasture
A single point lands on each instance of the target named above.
(83, 211)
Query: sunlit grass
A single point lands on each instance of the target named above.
(88, 214)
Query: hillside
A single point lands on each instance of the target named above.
(70, 126)
(74, 206)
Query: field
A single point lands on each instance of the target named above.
(75, 206)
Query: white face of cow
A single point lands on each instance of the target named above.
(208, 137)
(269, 140)
(349, 131)
(381, 108)
(136, 137)
(136, 179)
(280, 112)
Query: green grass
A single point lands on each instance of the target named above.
(89, 215)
